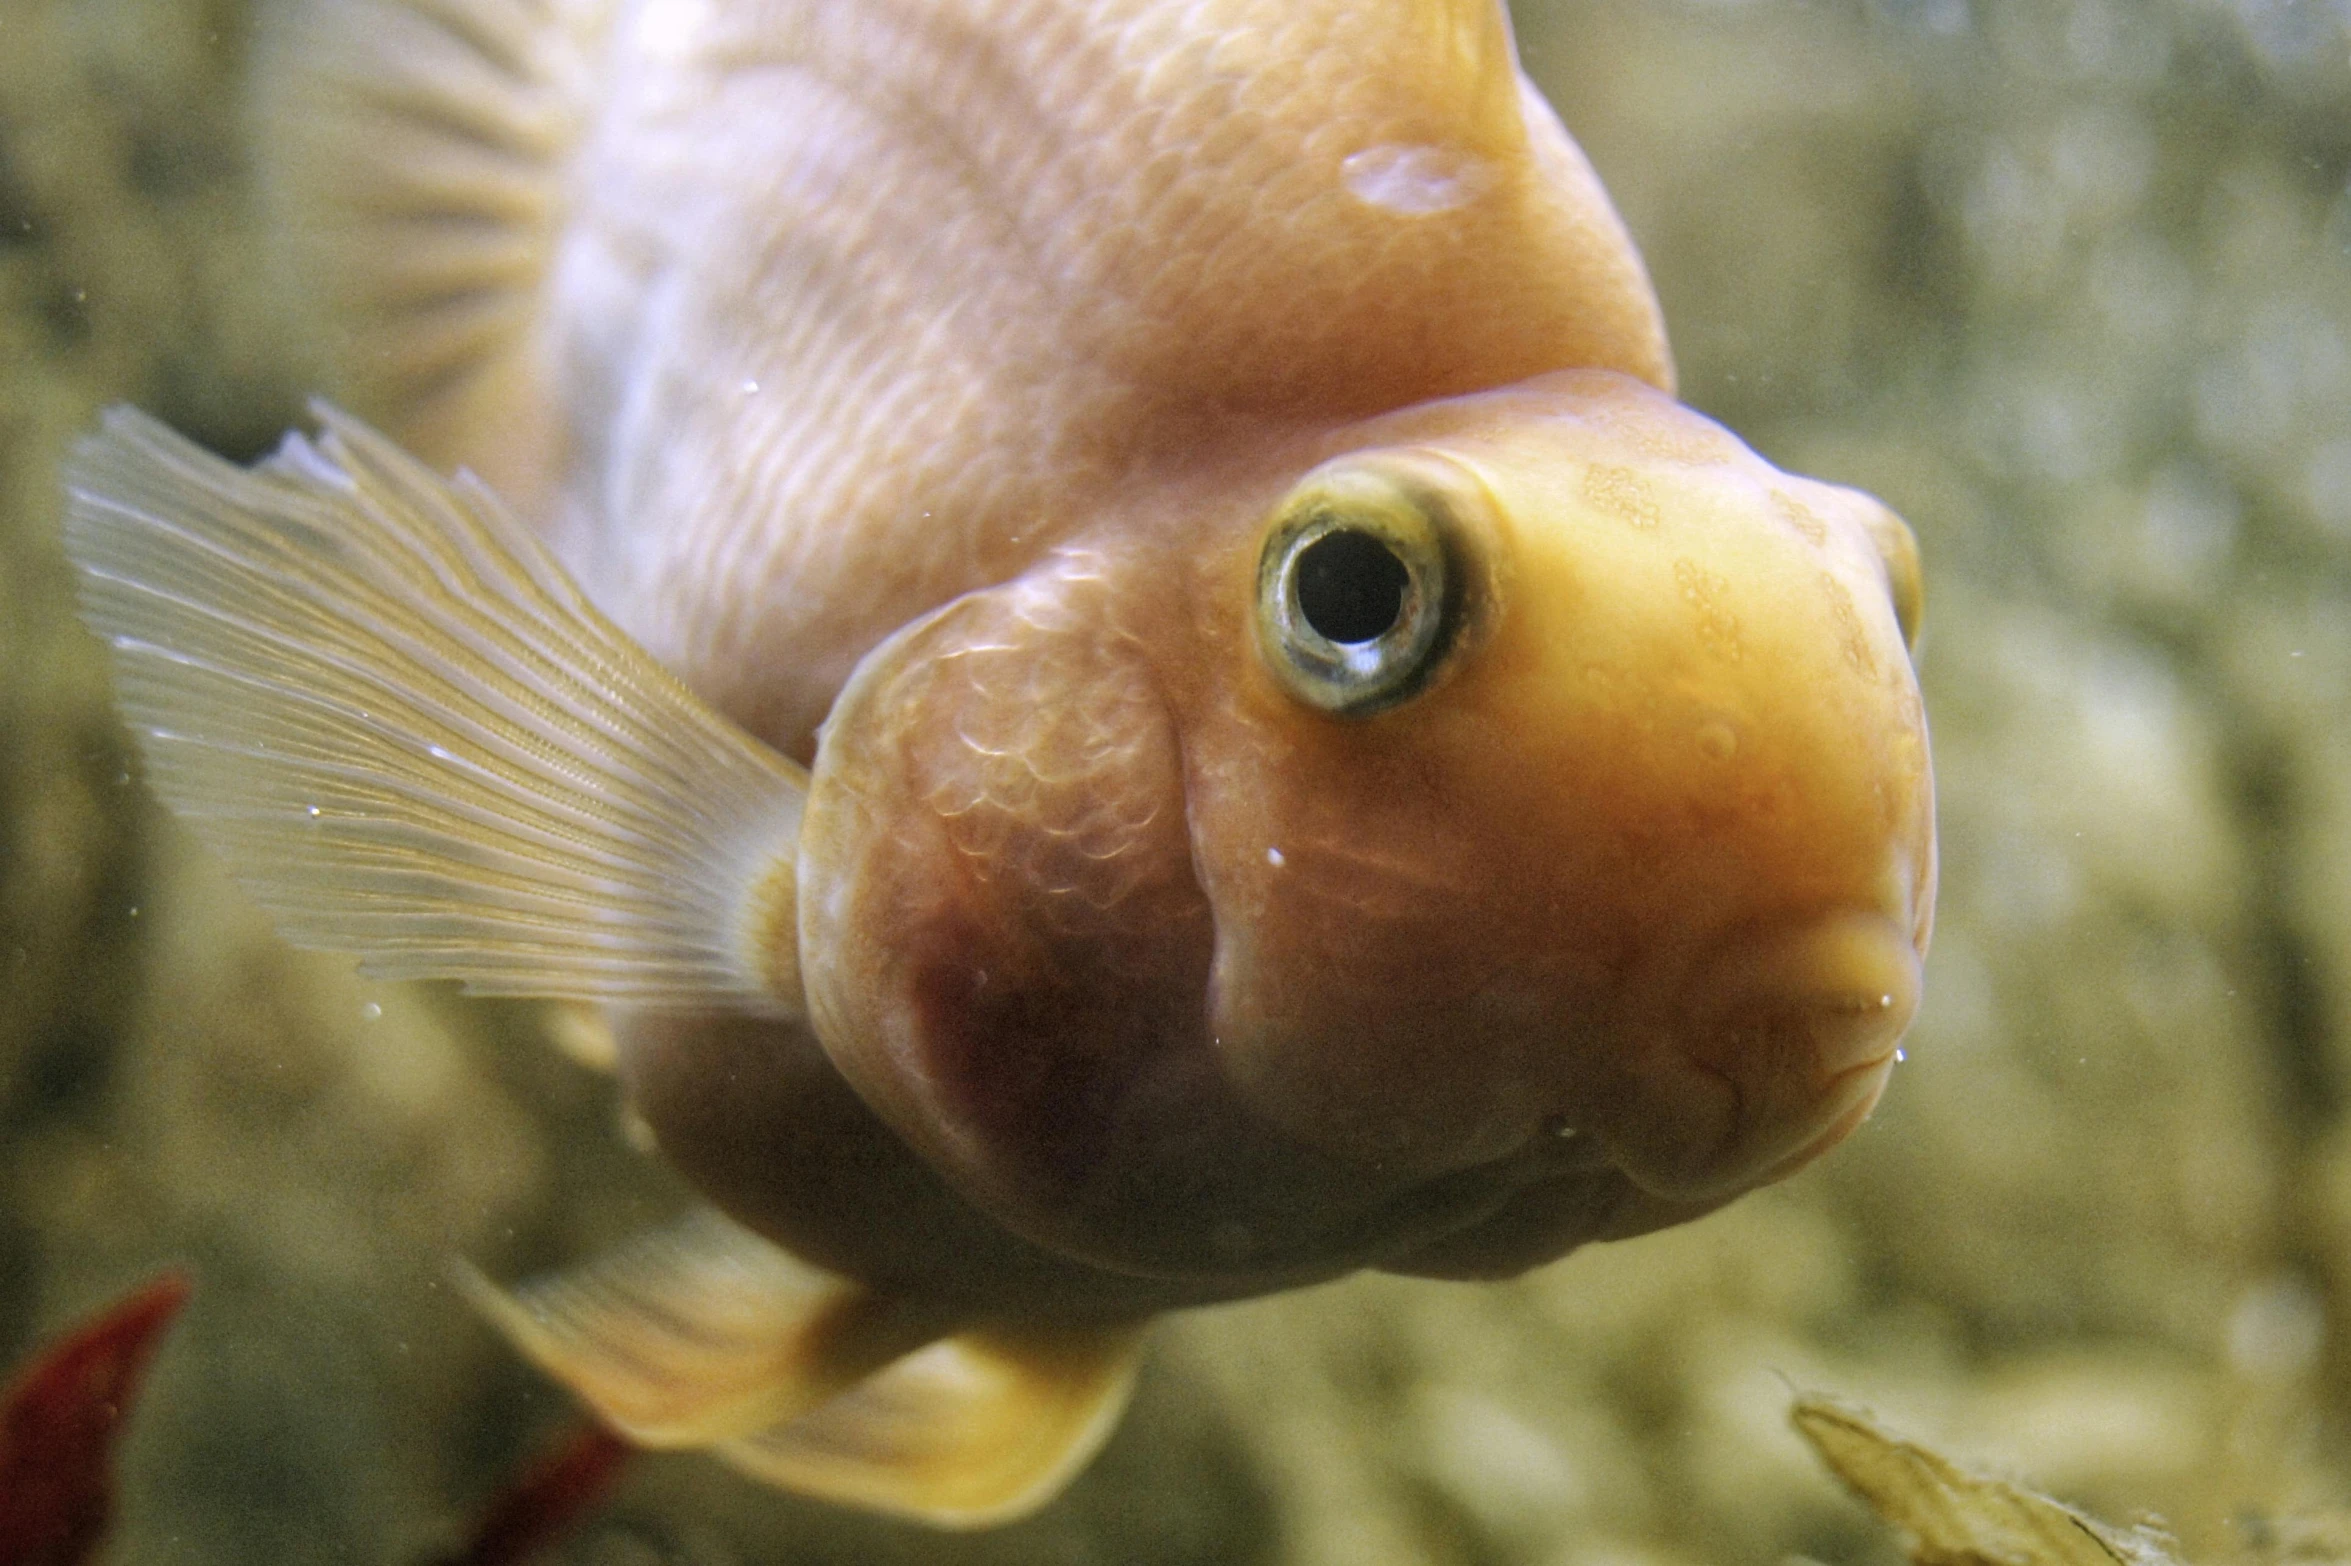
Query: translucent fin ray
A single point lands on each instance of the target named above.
(414, 740)
(702, 1333)
(973, 1431)
(412, 163)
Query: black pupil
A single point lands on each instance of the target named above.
(1350, 586)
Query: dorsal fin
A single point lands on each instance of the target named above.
(411, 163)
(1469, 53)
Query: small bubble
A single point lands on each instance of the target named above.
(1900, 1056)
(313, 812)
(134, 910)
(750, 388)
(1273, 856)
(370, 1012)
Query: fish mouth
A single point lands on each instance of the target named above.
(1772, 1049)
(1784, 1047)
(1609, 1189)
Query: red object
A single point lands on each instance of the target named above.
(545, 1499)
(57, 1427)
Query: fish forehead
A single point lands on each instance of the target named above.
(865, 305)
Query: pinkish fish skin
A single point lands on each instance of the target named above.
(1234, 730)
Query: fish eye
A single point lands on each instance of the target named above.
(1355, 589)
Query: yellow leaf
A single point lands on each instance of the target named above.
(1954, 1518)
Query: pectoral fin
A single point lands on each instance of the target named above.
(378, 696)
(974, 1430)
(702, 1333)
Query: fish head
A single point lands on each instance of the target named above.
(1493, 826)
(1565, 806)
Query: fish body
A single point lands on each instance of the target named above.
(837, 311)
(1182, 713)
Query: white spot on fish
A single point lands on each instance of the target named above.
(1273, 857)
(1415, 179)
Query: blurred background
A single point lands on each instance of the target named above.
(2067, 282)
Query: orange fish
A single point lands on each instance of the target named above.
(1104, 638)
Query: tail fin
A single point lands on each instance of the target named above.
(412, 158)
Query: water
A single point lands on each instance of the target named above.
(2068, 282)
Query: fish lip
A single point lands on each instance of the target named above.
(1740, 1151)
(1772, 1045)
(1528, 1224)
(1609, 1200)
(1868, 1082)
(1862, 964)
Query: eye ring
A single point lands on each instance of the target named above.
(1357, 589)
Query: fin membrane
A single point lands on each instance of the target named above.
(701, 1333)
(975, 1430)
(706, 1335)
(412, 158)
(413, 739)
